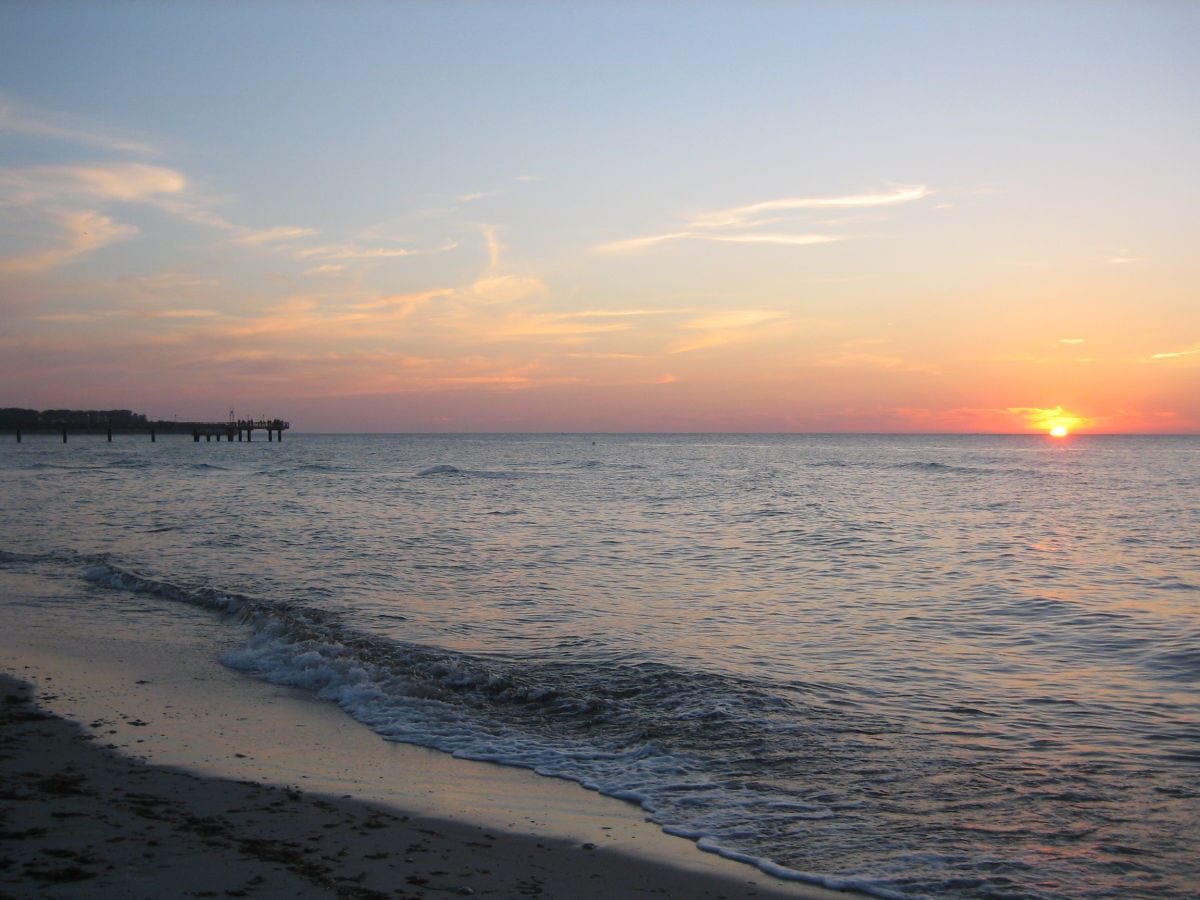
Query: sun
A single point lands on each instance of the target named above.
(1055, 422)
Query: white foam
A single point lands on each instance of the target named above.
(635, 775)
(710, 845)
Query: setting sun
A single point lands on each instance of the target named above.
(1058, 431)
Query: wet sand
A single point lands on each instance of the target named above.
(79, 820)
(133, 764)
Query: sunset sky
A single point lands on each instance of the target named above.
(653, 216)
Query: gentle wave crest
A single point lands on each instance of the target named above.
(602, 728)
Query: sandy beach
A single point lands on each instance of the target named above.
(78, 820)
(134, 765)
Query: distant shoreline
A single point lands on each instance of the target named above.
(111, 422)
(158, 427)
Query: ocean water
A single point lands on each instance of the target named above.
(919, 666)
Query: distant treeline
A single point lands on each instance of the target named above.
(29, 419)
(81, 420)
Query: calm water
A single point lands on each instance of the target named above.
(922, 666)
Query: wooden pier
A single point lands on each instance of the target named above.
(273, 428)
(66, 422)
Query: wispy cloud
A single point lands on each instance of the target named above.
(547, 326)
(796, 240)
(735, 318)
(572, 325)
(351, 251)
(17, 120)
(1178, 354)
(181, 313)
(506, 288)
(128, 182)
(634, 245)
(405, 303)
(725, 327)
(102, 314)
(64, 193)
(172, 283)
(871, 354)
(741, 216)
(69, 203)
(623, 313)
(1125, 258)
(744, 224)
(81, 232)
(274, 235)
(498, 284)
(1070, 340)
(606, 356)
(861, 361)
(493, 244)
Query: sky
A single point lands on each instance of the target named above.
(600, 216)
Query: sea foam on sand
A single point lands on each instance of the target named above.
(248, 801)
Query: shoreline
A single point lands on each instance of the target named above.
(78, 820)
(141, 700)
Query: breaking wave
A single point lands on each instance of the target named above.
(642, 732)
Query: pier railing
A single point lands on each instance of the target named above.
(239, 427)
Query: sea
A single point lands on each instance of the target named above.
(914, 666)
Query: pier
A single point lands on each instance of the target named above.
(109, 422)
(273, 427)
